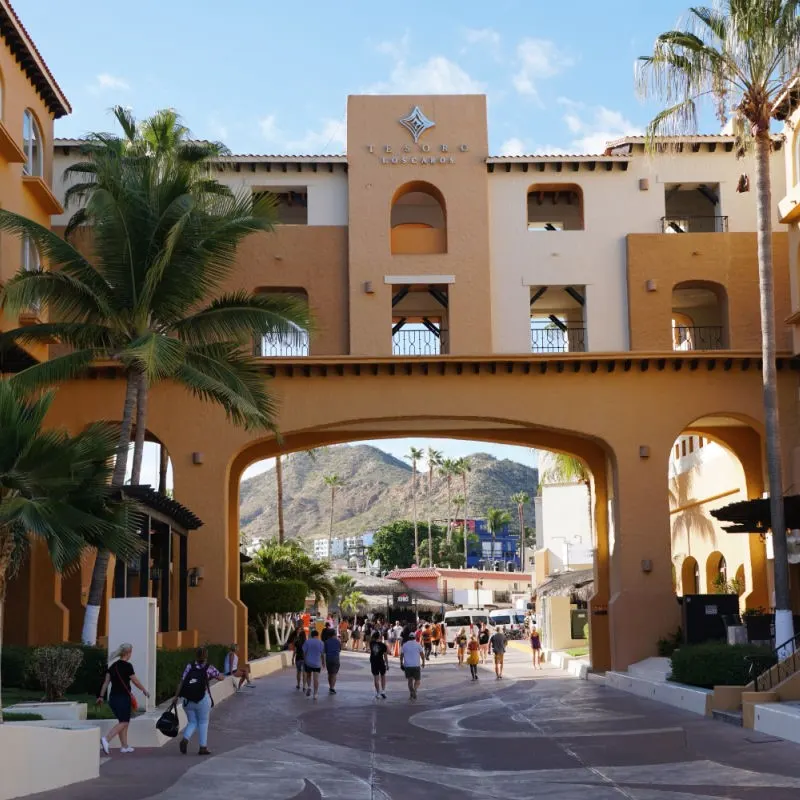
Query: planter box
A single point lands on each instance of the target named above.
(760, 627)
(65, 710)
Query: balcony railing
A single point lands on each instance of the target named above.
(416, 343)
(293, 346)
(694, 224)
(697, 337)
(556, 340)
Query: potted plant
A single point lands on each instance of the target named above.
(760, 624)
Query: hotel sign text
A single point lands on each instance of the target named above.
(416, 154)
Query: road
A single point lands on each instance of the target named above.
(530, 735)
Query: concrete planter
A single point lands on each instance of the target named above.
(65, 710)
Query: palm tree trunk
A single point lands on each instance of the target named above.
(414, 498)
(330, 529)
(141, 429)
(279, 482)
(449, 508)
(430, 515)
(784, 627)
(97, 586)
(521, 511)
(6, 548)
(466, 509)
(163, 463)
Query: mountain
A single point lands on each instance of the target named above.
(377, 490)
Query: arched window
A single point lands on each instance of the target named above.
(690, 576)
(555, 207)
(418, 220)
(31, 261)
(699, 316)
(32, 145)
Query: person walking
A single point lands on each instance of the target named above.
(436, 634)
(333, 649)
(236, 671)
(378, 664)
(461, 645)
(120, 675)
(297, 656)
(313, 659)
(412, 659)
(344, 631)
(497, 645)
(483, 642)
(536, 648)
(195, 690)
(356, 637)
(473, 656)
(398, 639)
(427, 640)
(391, 639)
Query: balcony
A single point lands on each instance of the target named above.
(408, 240)
(294, 346)
(572, 339)
(694, 224)
(697, 337)
(414, 342)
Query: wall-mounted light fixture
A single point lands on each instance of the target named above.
(368, 287)
(644, 451)
(647, 565)
(197, 457)
(644, 184)
(195, 576)
(651, 285)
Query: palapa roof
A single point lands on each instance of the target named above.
(579, 582)
(754, 516)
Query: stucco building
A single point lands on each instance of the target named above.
(604, 305)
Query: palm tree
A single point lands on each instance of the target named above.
(434, 458)
(288, 561)
(353, 602)
(414, 455)
(521, 499)
(163, 242)
(56, 487)
(463, 467)
(447, 469)
(333, 482)
(279, 482)
(741, 56)
(496, 518)
(344, 585)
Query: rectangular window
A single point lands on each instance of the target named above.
(291, 204)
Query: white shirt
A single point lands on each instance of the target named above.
(232, 663)
(412, 654)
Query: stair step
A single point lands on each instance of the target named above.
(730, 717)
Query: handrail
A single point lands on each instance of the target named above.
(782, 666)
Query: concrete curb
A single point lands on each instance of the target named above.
(688, 698)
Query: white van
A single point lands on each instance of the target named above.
(467, 618)
(511, 618)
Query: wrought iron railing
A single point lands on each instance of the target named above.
(675, 223)
(769, 671)
(293, 346)
(556, 340)
(697, 337)
(416, 343)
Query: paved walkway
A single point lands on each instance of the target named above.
(527, 736)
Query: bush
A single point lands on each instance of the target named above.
(15, 668)
(14, 717)
(670, 643)
(170, 665)
(56, 668)
(715, 664)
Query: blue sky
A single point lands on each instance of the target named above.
(270, 77)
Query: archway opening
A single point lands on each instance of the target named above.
(555, 207)
(699, 316)
(418, 220)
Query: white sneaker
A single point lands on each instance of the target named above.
(126, 749)
(104, 744)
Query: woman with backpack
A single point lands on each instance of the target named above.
(195, 690)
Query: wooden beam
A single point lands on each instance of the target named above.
(400, 295)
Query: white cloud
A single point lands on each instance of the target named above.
(514, 147)
(594, 126)
(538, 59)
(268, 127)
(105, 82)
(331, 137)
(482, 36)
(396, 48)
(437, 75)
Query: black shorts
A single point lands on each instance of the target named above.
(299, 663)
(378, 668)
(313, 669)
(413, 673)
(332, 667)
(120, 704)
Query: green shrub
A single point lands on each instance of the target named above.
(670, 643)
(714, 664)
(14, 717)
(15, 668)
(170, 665)
(56, 668)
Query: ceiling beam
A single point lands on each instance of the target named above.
(400, 295)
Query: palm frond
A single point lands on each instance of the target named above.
(54, 370)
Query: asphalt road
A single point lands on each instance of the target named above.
(530, 735)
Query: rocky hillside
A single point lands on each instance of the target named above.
(377, 490)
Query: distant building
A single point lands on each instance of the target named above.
(485, 554)
(343, 547)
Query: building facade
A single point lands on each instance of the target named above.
(603, 305)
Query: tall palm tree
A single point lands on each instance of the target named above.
(496, 518)
(741, 56)
(434, 459)
(279, 482)
(521, 499)
(447, 471)
(273, 561)
(414, 455)
(56, 487)
(163, 243)
(354, 602)
(463, 467)
(344, 585)
(333, 482)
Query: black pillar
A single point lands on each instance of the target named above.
(166, 564)
(183, 582)
(144, 570)
(121, 578)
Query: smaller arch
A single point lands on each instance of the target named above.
(294, 344)
(32, 144)
(555, 207)
(716, 573)
(690, 576)
(418, 220)
(699, 316)
(740, 581)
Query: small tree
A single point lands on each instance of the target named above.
(344, 584)
(55, 668)
(271, 604)
(354, 602)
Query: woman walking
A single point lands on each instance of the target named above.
(483, 642)
(195, 689)
(120, 675)
(536, 648)
(356, 637)
(461, 645)
(378, 663)
(297, 656)
(473, 656)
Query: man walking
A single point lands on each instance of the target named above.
(333, 649)
(379, 663)
(497, 645)
(313, 657)
(427, 640)
(412, 659)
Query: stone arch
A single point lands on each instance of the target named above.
(690, 576)
(418, 219)
(699, 316)
(716, 567)
(555, 207)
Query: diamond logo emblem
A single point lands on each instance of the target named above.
(416, 123)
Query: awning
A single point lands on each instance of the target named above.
(754, 516)
(579, 583)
